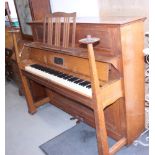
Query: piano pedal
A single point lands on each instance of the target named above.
(78, 119)
(72, 118)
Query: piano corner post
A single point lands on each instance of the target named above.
(30, 103)
(32, 111)
(101, 132)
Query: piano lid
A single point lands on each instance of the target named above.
(114, 20)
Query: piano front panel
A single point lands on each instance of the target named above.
(70, 63)
(109, 43)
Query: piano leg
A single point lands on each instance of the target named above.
(28, 95)
(101, 132)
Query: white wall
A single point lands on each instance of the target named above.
(87, 8)
(125, 8)
(84, 8)
(12, 8)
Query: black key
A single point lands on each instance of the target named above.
(48, 70)
(35, 65)
(62, 75)
(73, 79)
(65, 76)
(89, 86)
(52, 72)
(68, 79)
(39, 67)
(84, 83)
(78, 81)
(56, 73)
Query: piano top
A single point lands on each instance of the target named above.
(113, 20)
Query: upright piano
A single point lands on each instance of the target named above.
(120, 66)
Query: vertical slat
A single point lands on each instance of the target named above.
(73, 31)
(55, 40)
(66, 32)
(44, 32)
(53, 29)
(57, 31)
(67, 35)
(51, 34)
(49, 40)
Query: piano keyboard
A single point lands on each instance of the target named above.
(69, 81)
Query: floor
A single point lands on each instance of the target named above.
(25, 132)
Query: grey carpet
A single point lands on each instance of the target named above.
(81, 140)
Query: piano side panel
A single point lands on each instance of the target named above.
(115, 119)
(132, 39)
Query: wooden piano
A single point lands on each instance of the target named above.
(120, 67)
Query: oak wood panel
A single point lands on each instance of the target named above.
(78, 52)
(71, 63)
(39, 8)
(109, 37)
(133, 72)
